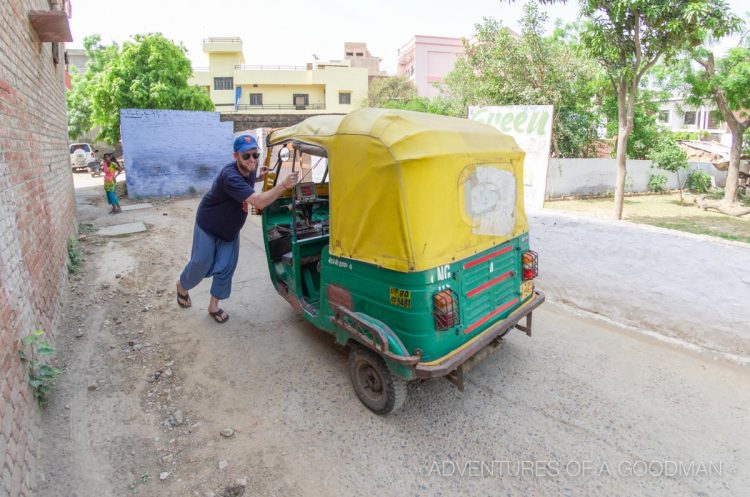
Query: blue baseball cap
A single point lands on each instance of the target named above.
(243, 143)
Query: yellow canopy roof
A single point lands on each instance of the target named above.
(411, 191)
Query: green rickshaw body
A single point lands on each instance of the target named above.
(415, 244)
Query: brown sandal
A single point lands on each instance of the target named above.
(183, 300)
(219, 316)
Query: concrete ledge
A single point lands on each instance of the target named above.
(122, 229)
(690, 287)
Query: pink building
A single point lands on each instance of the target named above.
(426, 60)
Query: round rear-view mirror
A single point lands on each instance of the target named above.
(284, 154)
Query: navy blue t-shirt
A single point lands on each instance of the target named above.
(220, 212)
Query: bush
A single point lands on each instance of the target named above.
(74, 256)
(41, 375)
(690, 135)
(657, 183)
(698, 181)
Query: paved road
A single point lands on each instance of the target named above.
(580, 409)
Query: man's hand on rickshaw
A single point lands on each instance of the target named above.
(290, 180)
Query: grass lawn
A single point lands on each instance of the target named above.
(664, 211)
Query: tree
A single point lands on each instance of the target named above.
(78, 98)
(390, 89)
(628, 37)
(727, 82)
(150, 72)
(503, 68)
(437, 105)
(669, 157)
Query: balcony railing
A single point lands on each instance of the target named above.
(282, 107)
(270, 68)
(220, 39)
(201, 69)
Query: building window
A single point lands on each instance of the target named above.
(300, 100)
(223, 83)
(256, 99)
(345, 98)
(715, 119)
(349, 54)
(663, 116)
(360, 54)
(690, 117)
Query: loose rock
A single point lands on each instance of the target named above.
(223, 465)
(164, 475)
(227, 433)
(93, 387)
(177, 418)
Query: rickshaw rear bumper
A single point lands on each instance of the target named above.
(455, 359)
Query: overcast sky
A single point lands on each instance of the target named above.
(288, 32)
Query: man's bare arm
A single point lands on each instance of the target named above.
(261, 200)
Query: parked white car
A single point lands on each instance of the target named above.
(81, 156)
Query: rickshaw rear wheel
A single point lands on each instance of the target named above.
(378, 389)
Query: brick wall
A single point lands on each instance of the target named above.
(250, 121)
(37, 215)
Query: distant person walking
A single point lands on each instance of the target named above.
(111, 169)
(221, 215)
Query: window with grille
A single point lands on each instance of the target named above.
(345, 98)
(256, 99)
(690, 117)
(223, 83)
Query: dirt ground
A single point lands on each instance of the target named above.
(664, 211)
(148, 388)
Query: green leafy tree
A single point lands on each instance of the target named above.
(390, 89)
(629, 37)
(726, 81)
(667, 156)
(437, 105)
(150, 72)
(646, 132)
(503, 68)
(79, 97)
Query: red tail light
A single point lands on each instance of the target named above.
(445, 310)
(530, 265)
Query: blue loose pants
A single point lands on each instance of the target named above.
(211, 256)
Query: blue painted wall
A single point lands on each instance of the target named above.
(167, 152)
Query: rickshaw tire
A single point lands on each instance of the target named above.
(395, 388)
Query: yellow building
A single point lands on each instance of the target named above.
(331, 87)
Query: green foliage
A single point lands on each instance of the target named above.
(438, 105)
(732, 77)
(79, 97)
(41, 375)
(500, 68)
(698, 181)
(74, 256)
(149, 72)
(391, 89)
(646, 131)
(690, 135)
(657, 183)
(668, 156)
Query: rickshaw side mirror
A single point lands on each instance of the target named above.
(284, 154)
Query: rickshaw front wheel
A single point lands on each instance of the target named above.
(374, 383)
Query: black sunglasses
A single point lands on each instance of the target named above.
(246, 156)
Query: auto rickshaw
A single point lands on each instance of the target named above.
(405, 238)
